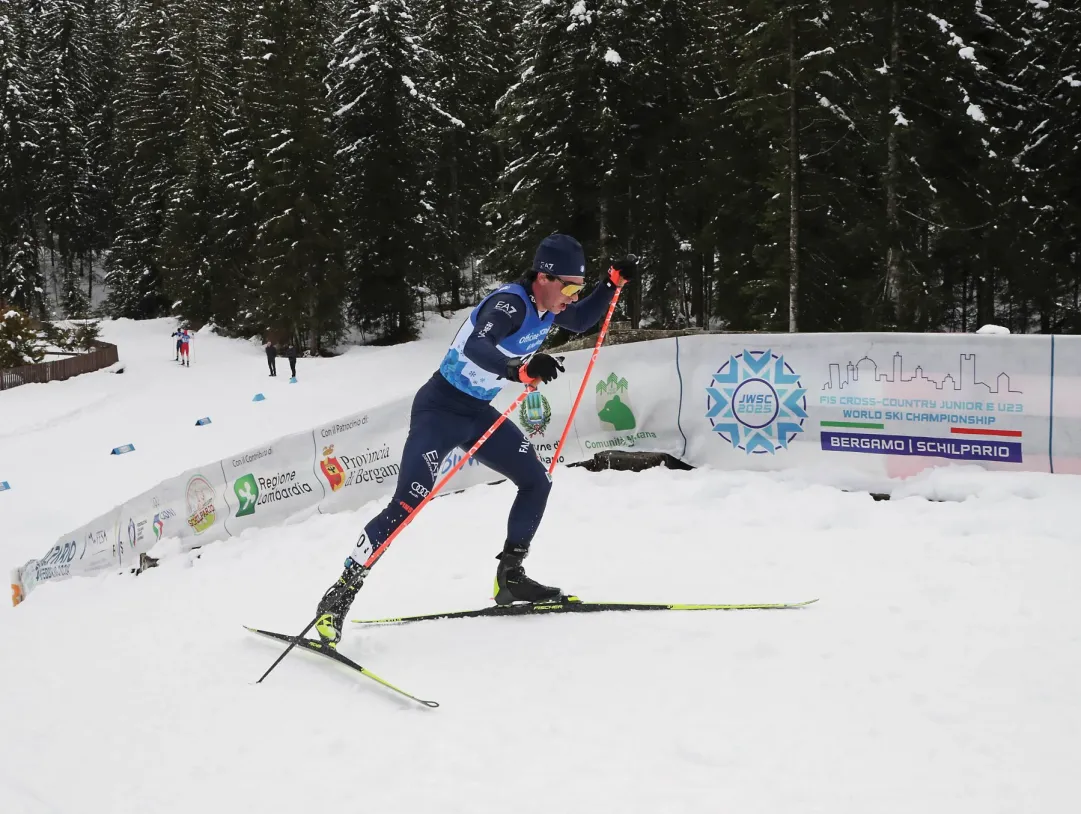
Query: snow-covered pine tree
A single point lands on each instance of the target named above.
(20, 343)
(298, 240)
(465, 72)
(21, 282)
(659, 193)
(149, 140)
(62, 65)
(233, 231)
(1045, 223)
(558, 132)
(103, 18)
(384, 114)
(797, 94)
(945, 106)
(189, 258)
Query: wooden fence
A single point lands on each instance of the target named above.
(102, 355)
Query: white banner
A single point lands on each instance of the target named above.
(544, 413)
(89, 549)
(146, 519)
(268, 484)
(631, 402)
(889, 404)
(357, 458)
(885, 405)
(1065, 425)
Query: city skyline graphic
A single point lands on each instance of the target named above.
(866, 371)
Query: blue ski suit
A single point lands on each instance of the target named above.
(453, 409)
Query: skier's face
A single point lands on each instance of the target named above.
(556, 293)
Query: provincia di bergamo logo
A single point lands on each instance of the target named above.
(755, 402)
(373, 465)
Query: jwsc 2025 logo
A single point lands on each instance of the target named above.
(756, 402)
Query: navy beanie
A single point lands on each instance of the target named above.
(560, 256)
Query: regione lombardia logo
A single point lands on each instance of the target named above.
(756, 402)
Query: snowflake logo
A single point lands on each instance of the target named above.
(756, 402)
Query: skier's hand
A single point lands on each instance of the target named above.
(542, 367)
(624, 270)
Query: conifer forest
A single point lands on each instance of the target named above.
(308, 168)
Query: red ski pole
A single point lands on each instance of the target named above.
(409, 517)
(435, 490)
(585, 380)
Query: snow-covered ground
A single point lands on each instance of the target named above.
(939, 671)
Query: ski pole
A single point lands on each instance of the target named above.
(409, 517)
(296, 640)
(585, 379)
(435, 490)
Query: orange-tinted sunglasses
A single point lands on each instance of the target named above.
(568, 289)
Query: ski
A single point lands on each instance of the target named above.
(572, 604)
(320, 649)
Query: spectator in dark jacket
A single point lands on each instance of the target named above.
(291, 355)
(271, 358)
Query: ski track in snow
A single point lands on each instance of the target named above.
(938, 672)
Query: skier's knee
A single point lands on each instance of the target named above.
(538, 482)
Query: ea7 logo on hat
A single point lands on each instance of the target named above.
(544, 266)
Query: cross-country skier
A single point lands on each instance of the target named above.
(179, 342)
(497, 344)
(185, 346)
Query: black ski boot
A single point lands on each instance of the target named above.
(336, 602)
(511, 583)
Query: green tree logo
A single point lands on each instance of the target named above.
(613, 407)
(247, 494)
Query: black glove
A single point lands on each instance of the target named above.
(541, 366)
(623, 271)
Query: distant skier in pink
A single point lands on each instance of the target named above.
(185, 346)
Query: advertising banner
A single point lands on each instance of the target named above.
(267, 484)
(891, 404)
(1065, 425)
(881, 405)
(190, 507)
(147, 518)
(356, 459)
(924, 399)
(746, 400)
(202, 499)
(88, 549)
(544, 413)
(631, 402)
